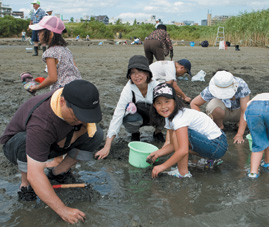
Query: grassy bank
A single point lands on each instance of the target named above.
(247, 29)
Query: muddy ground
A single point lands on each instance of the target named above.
(118, 193)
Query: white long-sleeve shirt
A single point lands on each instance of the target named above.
(125, 98)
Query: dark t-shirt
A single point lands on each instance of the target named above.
(44, 128)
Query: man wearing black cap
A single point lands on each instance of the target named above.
(50, 125)
(168, 71)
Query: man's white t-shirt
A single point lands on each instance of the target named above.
(163, 71)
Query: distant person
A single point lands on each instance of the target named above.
(257, 117)
(23, 34)
(168, 71)
(158, 44)
(61, 66)
(227, 98)
(87, 38)
(189, 132)
(158, 23)
(50, 125)
(36, 17)
(49, 12)
(137, 41)
(77, 38)
(132, 109)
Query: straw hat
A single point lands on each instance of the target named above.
(223, 85)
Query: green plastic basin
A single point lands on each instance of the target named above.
(139, 151)
(249, 138)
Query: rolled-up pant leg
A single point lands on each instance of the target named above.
(82, 149)
(15, 148)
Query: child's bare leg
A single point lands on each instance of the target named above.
(182, 165)
(255, 161)
(266, 155)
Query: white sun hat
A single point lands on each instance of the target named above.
(223, 85)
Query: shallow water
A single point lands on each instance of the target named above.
(123, 195)
(129, 197)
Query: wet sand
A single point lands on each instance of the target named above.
(122, 195)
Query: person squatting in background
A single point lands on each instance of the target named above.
(135, 96)
(227, 98)
(168, 71)
(189, 131)
(158, 44)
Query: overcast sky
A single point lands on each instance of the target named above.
(166, 10)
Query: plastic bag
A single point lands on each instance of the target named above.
(222, 45)
(200, 76)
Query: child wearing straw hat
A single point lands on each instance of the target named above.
(227, 98)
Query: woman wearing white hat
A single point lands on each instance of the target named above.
(227, 98)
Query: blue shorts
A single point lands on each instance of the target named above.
(206, 148)
(35, 37)
(257, 116)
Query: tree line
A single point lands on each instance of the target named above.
(247, 29)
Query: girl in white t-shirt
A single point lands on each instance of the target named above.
(189, 131)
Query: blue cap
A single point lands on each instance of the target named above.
(187, 65)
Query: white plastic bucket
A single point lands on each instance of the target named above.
(29, 50)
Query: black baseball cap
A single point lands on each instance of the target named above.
(187, 65)
(83, 97)
(138, 62)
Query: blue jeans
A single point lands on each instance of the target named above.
(257, 116)
(212, 149)
(35, 37)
